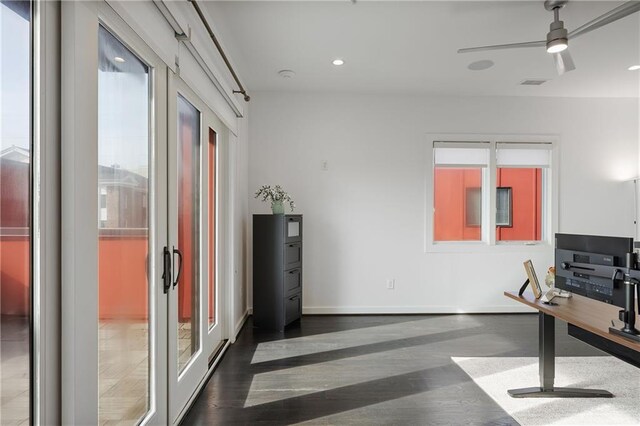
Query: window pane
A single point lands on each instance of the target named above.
(123, 221)
(525, 203)
(15, 184)
(457, 204)
(504, 206)
(188, 230)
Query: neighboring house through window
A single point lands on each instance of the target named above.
(473, 178)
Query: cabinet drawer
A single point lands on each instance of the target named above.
(293, 308)
(292, 255)
(293, 229)
(292, 281)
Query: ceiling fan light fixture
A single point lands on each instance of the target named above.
(557, 41)
(557, 37)
(557, 45)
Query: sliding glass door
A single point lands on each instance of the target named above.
(143, 309)
(114, 192)
(194, 329)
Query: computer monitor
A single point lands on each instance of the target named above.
(594, 250)
(601, 255)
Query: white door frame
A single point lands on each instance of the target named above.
(46, 212)
(78, 254)
(79, 184)
(183, 386)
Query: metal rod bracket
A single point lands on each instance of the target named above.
(184, 37)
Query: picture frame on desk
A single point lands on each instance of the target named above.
(533, 279)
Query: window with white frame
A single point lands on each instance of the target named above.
(472, 179)
(459, 177)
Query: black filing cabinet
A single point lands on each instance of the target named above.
(277, 270)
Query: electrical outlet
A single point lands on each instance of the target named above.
(391, 284)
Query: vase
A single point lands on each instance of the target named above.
(277, 207)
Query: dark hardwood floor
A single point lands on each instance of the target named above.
(363, 369)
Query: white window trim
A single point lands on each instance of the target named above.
(488, 243)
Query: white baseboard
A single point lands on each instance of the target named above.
(333, 310)
(373, 310)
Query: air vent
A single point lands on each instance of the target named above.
(532, 82)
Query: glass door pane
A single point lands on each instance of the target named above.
(123, 229)
(214, 191)
(15, 226)
(212, 227)
(188, 230)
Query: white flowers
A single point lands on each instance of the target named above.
(275, 194)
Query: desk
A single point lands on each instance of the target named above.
(582, 312)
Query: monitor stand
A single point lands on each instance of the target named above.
(628, 314)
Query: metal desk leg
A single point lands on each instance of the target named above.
(546, 360)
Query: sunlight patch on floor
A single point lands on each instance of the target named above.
(346, 371)
(287, 348)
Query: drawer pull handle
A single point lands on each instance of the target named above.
(293, 272)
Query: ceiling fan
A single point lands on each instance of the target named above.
(558, 37)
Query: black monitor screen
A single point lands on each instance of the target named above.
(595, 249)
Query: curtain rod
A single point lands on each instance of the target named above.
(224, 57)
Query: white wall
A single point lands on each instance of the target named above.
(364, 218)
(241, 226)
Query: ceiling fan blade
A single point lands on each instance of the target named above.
(541, 43)
(613, 15)
(564, 62)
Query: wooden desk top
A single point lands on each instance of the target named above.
(589, 314)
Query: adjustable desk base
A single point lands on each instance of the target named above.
(559, 393)
(546, 362)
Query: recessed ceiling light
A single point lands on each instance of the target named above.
(286, 73)
(119, 59)
(338, 62)
(634, 68)
(480, 65)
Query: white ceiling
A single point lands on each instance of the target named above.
(410, 47)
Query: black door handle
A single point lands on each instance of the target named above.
(179, 253)
(166, 271)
